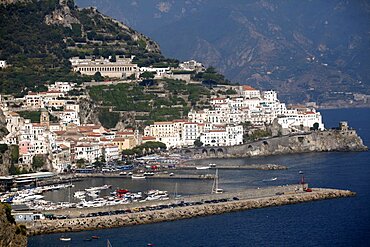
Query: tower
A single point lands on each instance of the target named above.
(44, 117)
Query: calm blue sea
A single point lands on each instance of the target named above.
(339, 222)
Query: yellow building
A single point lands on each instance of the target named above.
(124, 143)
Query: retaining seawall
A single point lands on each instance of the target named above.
(185, 212)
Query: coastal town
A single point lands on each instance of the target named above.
(67, 143)
(104, 127)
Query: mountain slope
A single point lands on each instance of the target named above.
(38, 37)
(307, 50)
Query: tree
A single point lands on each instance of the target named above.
(12, 170)
(147, 75)
(316, 126)
(198, 143)
(14, 153)
(38, 161)
(80, 163)
(98, 77)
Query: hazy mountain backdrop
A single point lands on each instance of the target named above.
(307, 50)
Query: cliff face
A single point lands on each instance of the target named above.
(3, 129)
(318, 141)
(10, 233)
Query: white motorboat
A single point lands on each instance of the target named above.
(65, 239)
(138, 176)
(202, 167)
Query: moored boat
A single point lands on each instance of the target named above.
(202, 167)
(64, 239)
(138, 176)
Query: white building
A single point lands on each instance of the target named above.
(191, 65)
(2, 63)
(62, 86)
(230, 136)
(110, 152)
(88, 151)
(257, 108)
(121, 68)
(157, 72)
(295, 119)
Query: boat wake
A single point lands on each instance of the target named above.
(269, 180)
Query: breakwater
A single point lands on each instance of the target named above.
(264, 167)
(195, 206)
(315, 141)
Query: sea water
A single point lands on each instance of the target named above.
(337, 222)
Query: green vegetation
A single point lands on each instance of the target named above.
(230, 91)
(133, 97)
(211, 76)
(149, 147)
(35, 51)
(194, 91)
(38, 162)
(39, 53)
(8, 212)
(198, 143)
(33, 115)
(14, 153)
(256, 135)
(108, 119)
(147, 75)
(3, 148)
(315, 126)
(16, 170)
(81, 163)
(21, 229)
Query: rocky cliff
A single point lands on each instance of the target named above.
(3, 129)
(317, 141)
(10, 233)
(5, 154)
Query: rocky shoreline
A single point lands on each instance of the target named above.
(315, 141)
(148, 217)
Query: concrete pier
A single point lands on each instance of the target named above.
(193, 206)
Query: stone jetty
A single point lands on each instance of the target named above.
(207, 205)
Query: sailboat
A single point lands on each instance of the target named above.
(215, 189)
(175, 195)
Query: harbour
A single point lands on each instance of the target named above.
(189, 207)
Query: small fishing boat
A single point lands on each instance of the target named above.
(300, 172)
(95, 237)
(64, 239)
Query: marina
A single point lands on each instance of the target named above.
(188, 207)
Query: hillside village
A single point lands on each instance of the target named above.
(64, 142)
